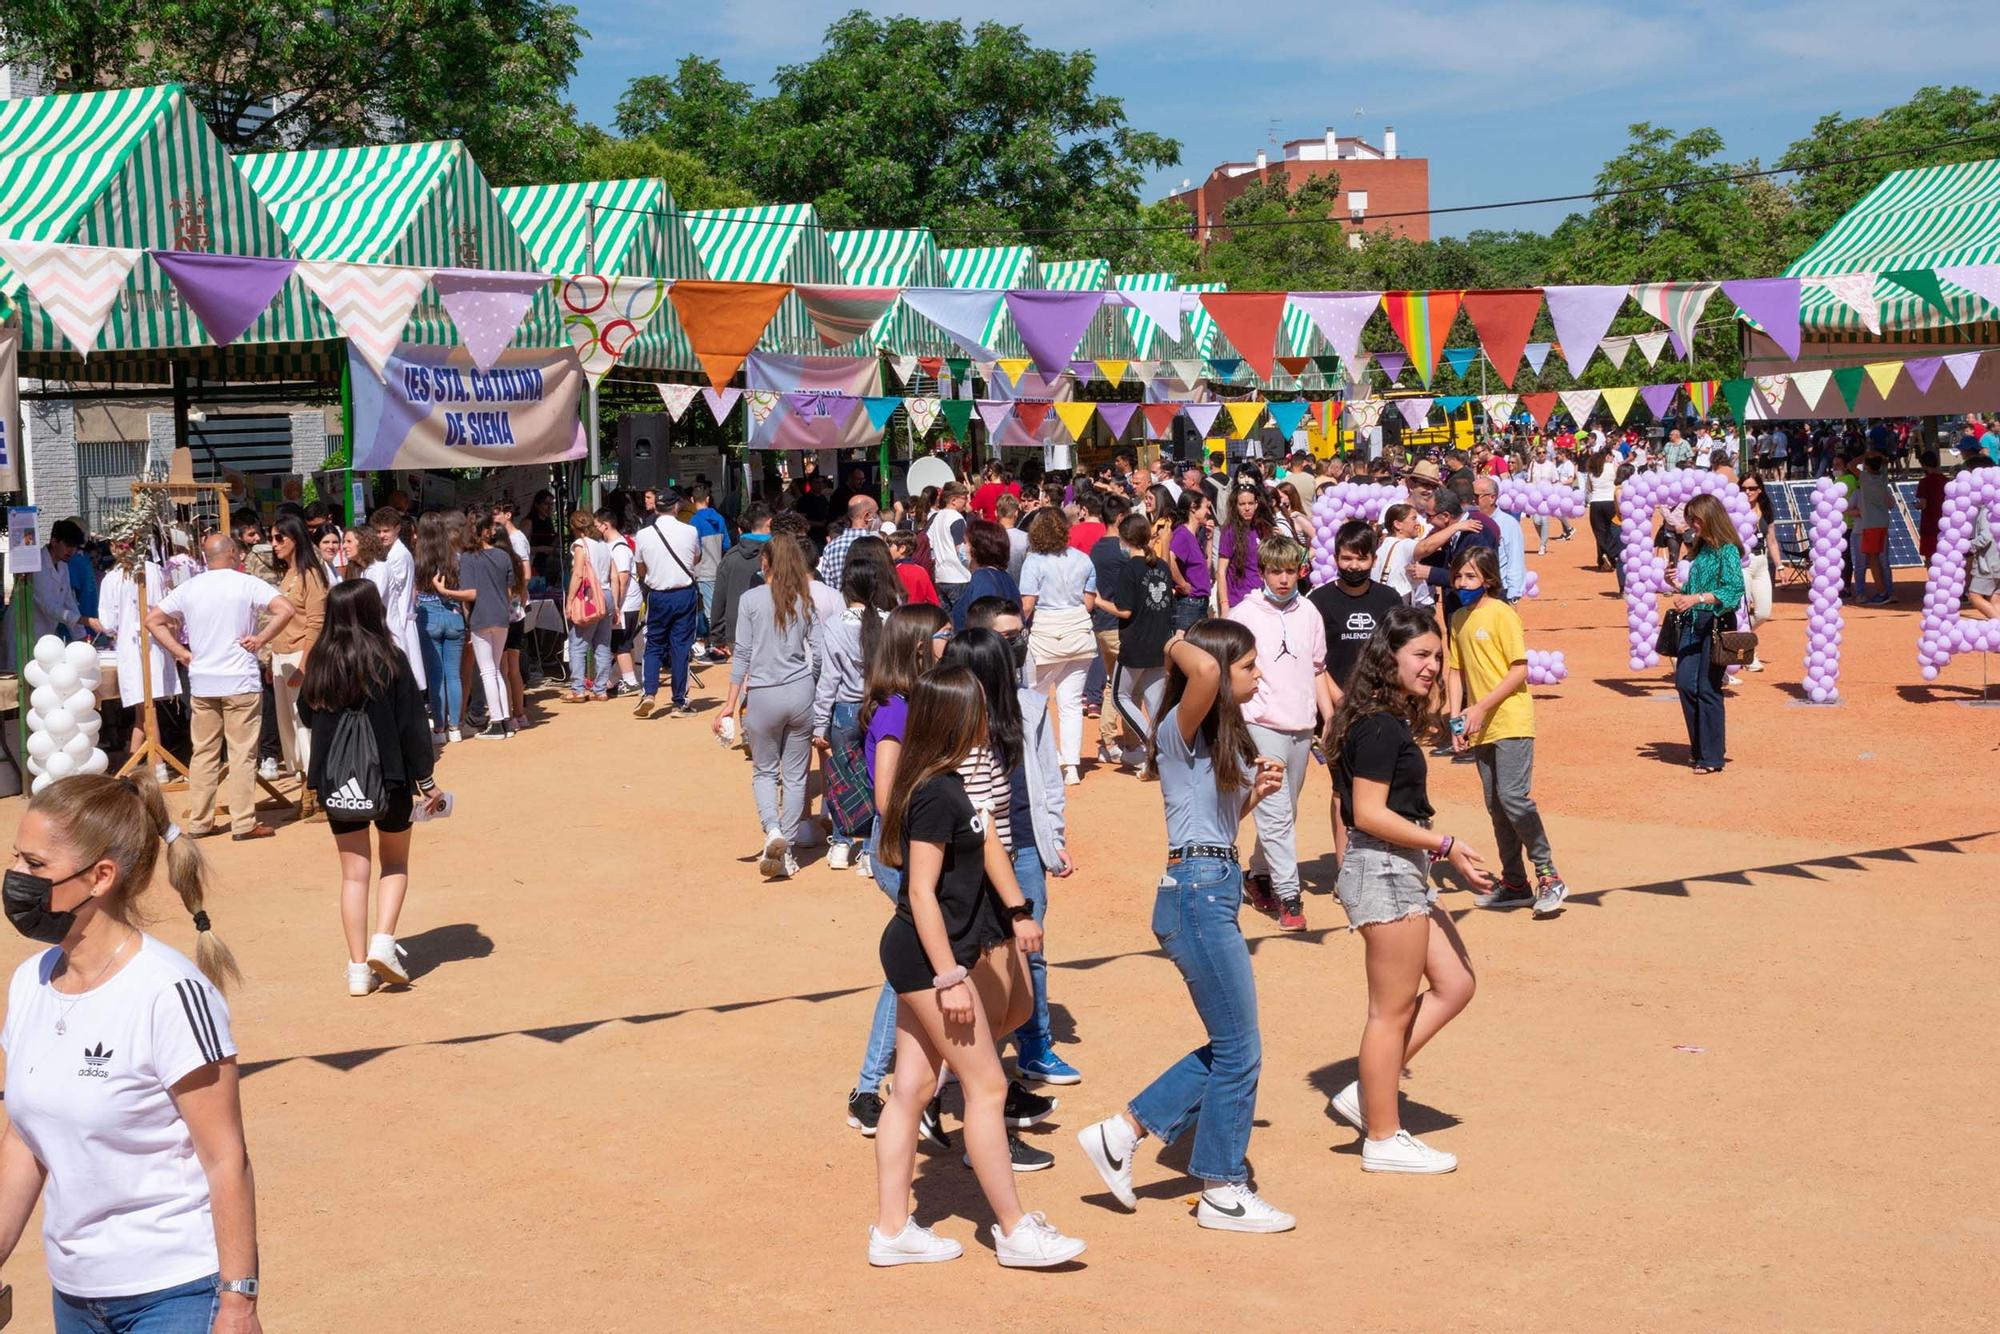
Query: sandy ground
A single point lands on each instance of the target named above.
(1746, 1082)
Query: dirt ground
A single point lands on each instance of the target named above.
(1746, 1081)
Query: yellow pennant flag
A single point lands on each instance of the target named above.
(1243, 416)
(1882, 374)
(1076, 418)
(1012, 367)
(1619, 400)
(1114, 371)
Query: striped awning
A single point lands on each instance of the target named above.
(1141, 333)
(1917, 219)
(895, 257)
(1201, 338)
(1007, 267)
(778, 243)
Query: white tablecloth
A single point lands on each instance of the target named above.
(543, 614)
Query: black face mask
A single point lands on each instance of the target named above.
(1017, 644)
(27, 901)
(1355, 578)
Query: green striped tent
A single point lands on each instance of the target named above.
(1087, 275)
(1298, 336)
(134, 167)
(424, 204)
(1199, 336)
(1007, 268)
(1917, 219)
(895, 257)
(780, 243)
(1141, 334)
(613, 227)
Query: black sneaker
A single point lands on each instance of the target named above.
(863, 1111)
(1027, 1158)
(1026, 1109)
(930, 1126)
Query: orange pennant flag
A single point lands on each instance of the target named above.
(725, 320)
(1249, 320)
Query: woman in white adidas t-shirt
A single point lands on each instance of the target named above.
(122, 1107)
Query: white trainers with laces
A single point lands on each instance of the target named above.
(1109, 1145)
(1346, 1105)
(1070, 776)
(385, 959)
(268, 769)
(771, 862)
(1234, 1207)
(1033, 1244)
(914, 1245)
(360, 979)
(838, 856)
(863, 867)
(1404, 1152)
(454, 736)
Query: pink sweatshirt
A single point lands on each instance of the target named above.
(1291, 653)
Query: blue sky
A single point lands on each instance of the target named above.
(1509, 99)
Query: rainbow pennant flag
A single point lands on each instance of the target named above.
(1423, 321)
(1701, 396)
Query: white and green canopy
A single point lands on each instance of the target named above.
(1141, 334)
(781, 243)
(1007, 267)
(895, 257)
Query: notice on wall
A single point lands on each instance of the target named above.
(433, 408)
(24, 549)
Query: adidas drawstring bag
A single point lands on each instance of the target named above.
(351, 786)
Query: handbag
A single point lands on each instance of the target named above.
(1668, 645)
(1731, 648)
(585, 605)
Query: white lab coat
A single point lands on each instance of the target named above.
(118, 608)
(399, 599)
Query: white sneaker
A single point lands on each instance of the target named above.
(455, 736)
(1105, 755)
(1404, 1152)
(1135, 758)
(863, 867)
(385, 958)
(914, 1245)
(838, 856)
(268, 769)
(1070, 776)
(790, 868)
(360, 979)
(1109, 1145)
(1034, 1244)
(775, 850)
(1346, 1105)
(1234, 1207)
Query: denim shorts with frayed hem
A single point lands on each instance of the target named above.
(1382, 882)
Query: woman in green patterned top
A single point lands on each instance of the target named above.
(1714, 587)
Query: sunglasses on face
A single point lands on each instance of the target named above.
(942, 637)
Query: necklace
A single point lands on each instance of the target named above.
(62, 1020)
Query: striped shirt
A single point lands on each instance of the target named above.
(986, 787)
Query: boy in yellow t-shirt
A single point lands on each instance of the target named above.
(1492, 715)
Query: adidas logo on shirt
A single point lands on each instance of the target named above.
(94, 1061)
(350, 797)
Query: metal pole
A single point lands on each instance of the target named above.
(596, 489)
(590, 236)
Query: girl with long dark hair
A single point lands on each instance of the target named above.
(441, 604)
(1141, 596)
(302, 579)
(1056, 579)
(773, 670)
(1713, 588)
(491, 577)
(954, 953)
(869, 591)
(1380, 778)
(358, 666)
(1601, 494)
(1210, 775)
(1247, 524)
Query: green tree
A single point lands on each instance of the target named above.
(697, 109)
(688, 179)
(1267, 249)
(489, 72)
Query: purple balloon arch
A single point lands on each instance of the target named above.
(1946, 634)
(1645, 572)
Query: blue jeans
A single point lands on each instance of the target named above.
(843, 727)
(670, 625)
(441, 627)
(881, 1051)
(1194, 919)
(1032, 1037)
(1699, 681)
(188, 1309)
(587, 643)
(703, 625)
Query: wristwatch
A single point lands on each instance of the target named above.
(246, 1286)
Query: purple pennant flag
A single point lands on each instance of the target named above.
(806, 403)
(487, 306)
(1415, 410)
(1537, 354)
(1083, 370)
(840, 408)
(993, 412)
(1201, 415)
(226, 292)
(721, 403)
(1116, 416)
(1582, 316)
(1660, 397)
(1774, 304)
(1339, 317)
(1962, 365)
(1922, 370)
(1051, 324)
(1392, 364)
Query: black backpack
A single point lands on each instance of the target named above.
(351, 786)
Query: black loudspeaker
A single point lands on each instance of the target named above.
(643, 438)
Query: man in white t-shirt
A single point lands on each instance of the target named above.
(218, 609)
(950, 569)
(399, 590)
(667, 553)
(622, 593)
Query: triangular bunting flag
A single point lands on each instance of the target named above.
(842, 314)
(1616, 349)
(1416, 411)
(1051, 324)
(1287, 416)
(228, 292)
(880, 408)
(839, 409)
(805, 403)
(1772, 389)
(1243, 416)
(1856, 291)
(1294, 365)
(1660, 397)
(1652, 344)
(1618, 402)
(1012, 368)
(1224, 368)
(677, 397)
(1539, 405)
(1142, 371)
(1326, 365)
(1160, 418)
(724, 320)
(1423, 321)
(1982, 280)
(1083, 370)
(1116, 417)
(1162, 308)
(1811, 384)
(957, 413)
(78, 284)
(923, 410)
(1961, 365)
(959, 368)
(931, 366)
(1923, 370)
(964, 314)
(487, 306)
(762, 403)
(1032, 412)
(1499, 408)
(906, 369)
(1201, 416)
(1366, 412)
(1249, 320)
(1701, 396)
(1578, 403)
(1676, 305)
(721, 402)
(1736, 393)
(1923, 282)
(1340, 317)
(1537, 354)
(1113, 371)
(370, 303)
(1774, 304)
(1460, 359)
(1582, 316)
(1187, 372)
(1392, 364)
(1847, 379)
(1882, 374)
(993, 412)
(1503, 320)
(1453, 402)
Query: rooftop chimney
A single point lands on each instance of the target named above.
(1389, 141)
(1332, 144)
(1260, 159)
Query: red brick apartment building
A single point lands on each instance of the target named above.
(1374, 181)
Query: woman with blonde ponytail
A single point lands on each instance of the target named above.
(122, 1106)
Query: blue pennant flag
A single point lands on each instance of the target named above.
(1224, 368)
(1287, 416)
(1461, 359)
(1453, 402)
(880, 410)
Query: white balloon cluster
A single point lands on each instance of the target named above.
(62, 712)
